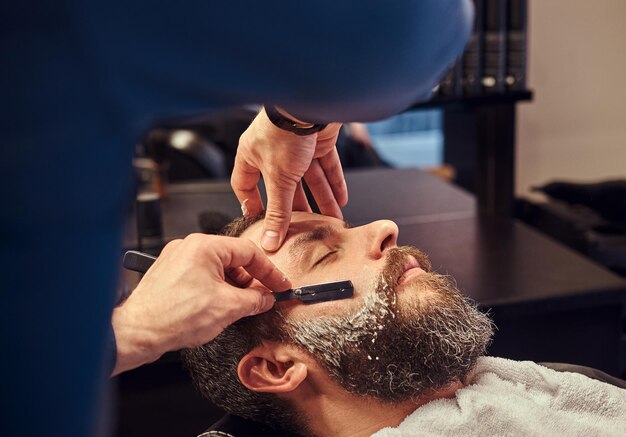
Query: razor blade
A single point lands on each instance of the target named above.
(307, 294)
(325, 292)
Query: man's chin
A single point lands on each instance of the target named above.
(419, 290)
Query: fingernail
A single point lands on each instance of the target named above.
(270, 240)
(267, 302)
(244, 210)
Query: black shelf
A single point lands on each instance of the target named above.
(479, 142)
(472, 101)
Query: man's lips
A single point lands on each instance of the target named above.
(411, 270)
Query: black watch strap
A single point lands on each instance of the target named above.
(287, 124)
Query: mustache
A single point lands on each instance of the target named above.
(395, 265)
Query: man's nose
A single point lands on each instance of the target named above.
(384, 235)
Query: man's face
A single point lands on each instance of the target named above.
(404, 332)
(324, 249)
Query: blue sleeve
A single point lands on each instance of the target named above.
(80, 79)
(324, 60)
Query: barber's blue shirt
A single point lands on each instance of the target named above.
(80, 80)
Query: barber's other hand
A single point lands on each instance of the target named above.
(196, 288)
(284, 158)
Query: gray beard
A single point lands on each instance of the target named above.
(397, 352)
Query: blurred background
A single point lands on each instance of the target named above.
(520, 191)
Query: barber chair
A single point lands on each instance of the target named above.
(589, 218)
(198, 148)
(234, 426)
(185, 154)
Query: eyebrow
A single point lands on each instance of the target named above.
(303, 242)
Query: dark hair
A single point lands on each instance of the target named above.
(239, 225)
(213, 366)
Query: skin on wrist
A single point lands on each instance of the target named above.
(136, 345)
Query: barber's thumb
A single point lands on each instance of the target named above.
(273, 232)
(265, 302)
(278, 214)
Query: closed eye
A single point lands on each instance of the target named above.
(324, 258)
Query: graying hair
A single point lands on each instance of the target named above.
(213, 366)
(213, 369)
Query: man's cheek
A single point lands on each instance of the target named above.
(363, 278)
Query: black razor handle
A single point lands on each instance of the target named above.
(318, 293)
(138, 261)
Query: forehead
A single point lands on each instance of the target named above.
(300, 222)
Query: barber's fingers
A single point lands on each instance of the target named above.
(300, 202)
(238, 277)
(240, 252)
(244, 181)
(281, 189)
(166, 253)
(321, 190)
(247, 302)
(331, 164)
(327, 138)
(243, 263)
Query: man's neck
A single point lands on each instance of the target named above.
(341, 414)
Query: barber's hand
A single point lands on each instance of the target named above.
(284, 158)
(196, 288)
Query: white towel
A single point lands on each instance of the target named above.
(521, 398)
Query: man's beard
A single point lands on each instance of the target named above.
(399, 352)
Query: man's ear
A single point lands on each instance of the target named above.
(272, 368)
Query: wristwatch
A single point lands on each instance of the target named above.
(285, 123)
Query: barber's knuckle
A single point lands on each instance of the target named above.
(327, 206)
(315, 179)
(277, 210)
(337, 184)
(334, 173)
(283, 178)
(200, 246)
(194, 238)
(234, 178)
(243, 141)
(264, 273)
(269, 276)
(246, 246)
(276, 216)
(171, 245)
(238, 241)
